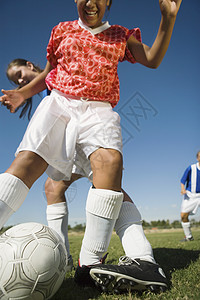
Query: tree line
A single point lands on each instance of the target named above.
(159, 224)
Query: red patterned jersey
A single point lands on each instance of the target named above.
(85, 64)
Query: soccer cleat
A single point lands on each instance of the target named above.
(82, 274)
(70, 265)
(129, 274)
(187, 239)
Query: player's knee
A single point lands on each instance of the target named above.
(105, 159)
(114, 161)
(106, 165)
(184, 217)
(55, 191)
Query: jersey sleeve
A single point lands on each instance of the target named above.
(185, 176)
(45, 93)
(137, 34)
(54, 42)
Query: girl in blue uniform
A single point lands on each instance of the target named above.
(190, 189)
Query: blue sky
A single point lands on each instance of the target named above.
(159, 108)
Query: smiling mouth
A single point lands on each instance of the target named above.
(91, 13)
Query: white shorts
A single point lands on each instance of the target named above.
(65, 131)
(190, 203)
(81, 167)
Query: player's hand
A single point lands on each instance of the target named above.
(11, 99)
(183, 192)
(169, 7)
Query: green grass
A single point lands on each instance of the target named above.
(180, 261)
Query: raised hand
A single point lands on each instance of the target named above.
(169, 7)
(11, 99)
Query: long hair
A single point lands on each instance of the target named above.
(27, 105)
(109, 6)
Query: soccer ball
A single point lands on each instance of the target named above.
(33, 262)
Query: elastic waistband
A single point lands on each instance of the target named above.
(83, 99)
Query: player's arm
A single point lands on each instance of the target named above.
(183, 190)
(152, 56)
(14, 98)
(185, 179)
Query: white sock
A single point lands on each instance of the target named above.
(130, 231)
(57, 218)
(12, 194)
(186, 229)
(102, 210)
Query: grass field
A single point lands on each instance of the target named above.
(180, 261)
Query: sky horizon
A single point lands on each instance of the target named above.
(159, 108)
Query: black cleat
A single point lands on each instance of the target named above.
(82, 274)
(129, 274)
(190, 239)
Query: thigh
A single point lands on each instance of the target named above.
(28, 166)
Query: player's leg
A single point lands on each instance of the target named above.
(55, 190)
(126, 197)
(186, 227)
(104, 201)
(137, 269)
(189, 206)
(17, 180)
(130, 231)
(57, 210)
(102, 209)
(103, 204)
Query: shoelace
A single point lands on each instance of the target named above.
(125, 260)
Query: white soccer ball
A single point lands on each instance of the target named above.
(33, 262)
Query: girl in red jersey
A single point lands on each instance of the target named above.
(81, 71)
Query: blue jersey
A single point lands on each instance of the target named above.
(45, 93)
(191, 178)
